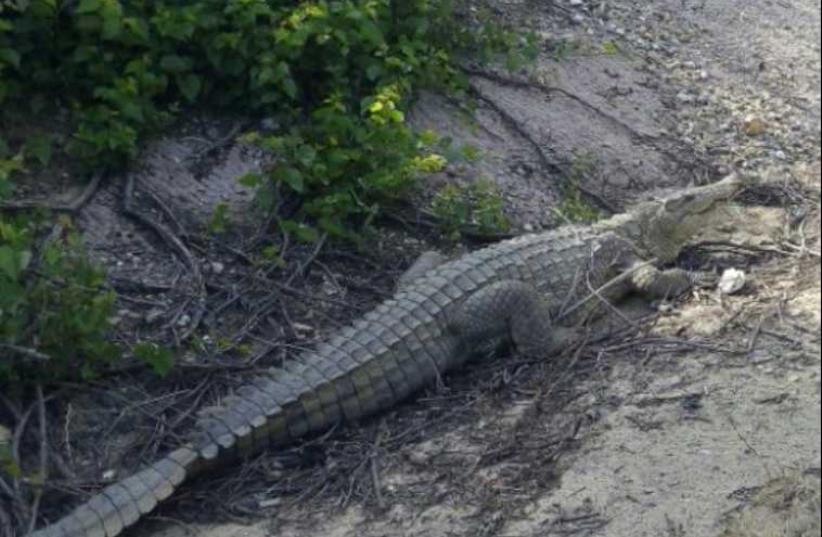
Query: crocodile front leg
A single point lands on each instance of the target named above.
(511, 310)
(665, 283)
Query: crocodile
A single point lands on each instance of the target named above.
(513, 290)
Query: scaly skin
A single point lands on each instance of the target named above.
(509, 290)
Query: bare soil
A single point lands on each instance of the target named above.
(700, 418)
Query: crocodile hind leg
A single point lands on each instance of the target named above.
(509, 310)
(666, 283)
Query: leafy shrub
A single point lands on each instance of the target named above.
(338, 73)
(54, 311)
(478, 206)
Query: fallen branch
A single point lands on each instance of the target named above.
(44, 459)
(26, 353)
(647, 139)
(70, 207)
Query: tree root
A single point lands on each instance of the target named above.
(70, 207)
(549, 164)
(646, 139)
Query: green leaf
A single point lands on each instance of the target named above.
(306, 155)
(87, 6)
(293, 178)
(250, 180)
(610, 48)
(374, 71)
(302, 232)
(39, 147)
(10, 56)
(172, 63)
(190, 86)
(290, 87)
(160, 359)
(219, 219)
(12, 261)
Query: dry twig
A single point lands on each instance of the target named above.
(70, 207)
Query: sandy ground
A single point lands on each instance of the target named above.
(704, 422)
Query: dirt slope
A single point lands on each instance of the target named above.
(703, 421)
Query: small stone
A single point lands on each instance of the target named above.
(780, 155)
(684, 97)
(577, 18)
(754, 126)
(184, 320)
(575, 3)
(217, 267)
(731, 281)
(703, 75)
(528, 227)
(664, 307)
(418, 458)
(109, 475)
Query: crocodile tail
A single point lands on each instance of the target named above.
(243, 424)
(121, 504)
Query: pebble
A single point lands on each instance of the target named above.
(753, 126)
(731, 281)
(684, 97)
(217, 267)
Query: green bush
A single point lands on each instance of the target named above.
(54, 311)
(338, 74)
(477, 206)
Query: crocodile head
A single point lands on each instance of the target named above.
(661, 228)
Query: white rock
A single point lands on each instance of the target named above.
(731, 281)
(217, 267)
(684, 97)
